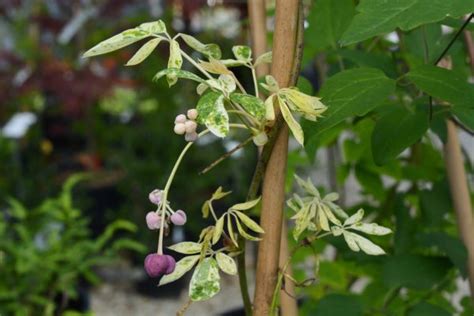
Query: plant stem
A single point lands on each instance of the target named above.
(170, 180)
(461, 29)
(226, 155)
(255, 84)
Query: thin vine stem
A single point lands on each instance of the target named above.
(170, 180)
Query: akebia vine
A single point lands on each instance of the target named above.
(225, 105)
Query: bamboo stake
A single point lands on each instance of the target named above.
(460, 195)
(459, 189)
(273, 192)
(258, 32)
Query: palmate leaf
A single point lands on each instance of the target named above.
(447, 85)
(396, 130)
(377, 17)
(350, 93)
(327, 21)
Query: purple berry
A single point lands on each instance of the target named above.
(171, 264)
(155, 196)
(153, 220)
(156, 265)
(178, 218)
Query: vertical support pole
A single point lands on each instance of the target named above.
(273, 189)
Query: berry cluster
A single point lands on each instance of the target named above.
(157, 264)
(187, 125)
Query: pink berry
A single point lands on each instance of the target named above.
(153, 220)
(157, 265)
(191, 137)
(190, 126)
(179, 218)
(155, 196)
(180, 128)
(192, 114)
(180, 119)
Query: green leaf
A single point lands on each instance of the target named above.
(396, 130)
(414, 271)
(254, 106)
(451, 246)
(377, 17)
(143, 52)
(246, 205)
(210, 50)
(435, 204)
(465, 115)
(213, 114)
(205, 281)
(350, 93)
(178, 73)
(443, 84)
(116, 42)
(186, 247)
(336, 305)
(226, 263)
(182, 266)
(250, 223)
(425, 309)
(175, 61)
(327, 22)
(449, 86)
(242, 53)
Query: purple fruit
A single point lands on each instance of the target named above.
(179, 218)
(171, 264)
(155, 196)
(153, 220)
(156, 265)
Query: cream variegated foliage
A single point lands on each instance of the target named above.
(320, 215)
(290, 100)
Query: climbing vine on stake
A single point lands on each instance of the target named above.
(224, 104)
